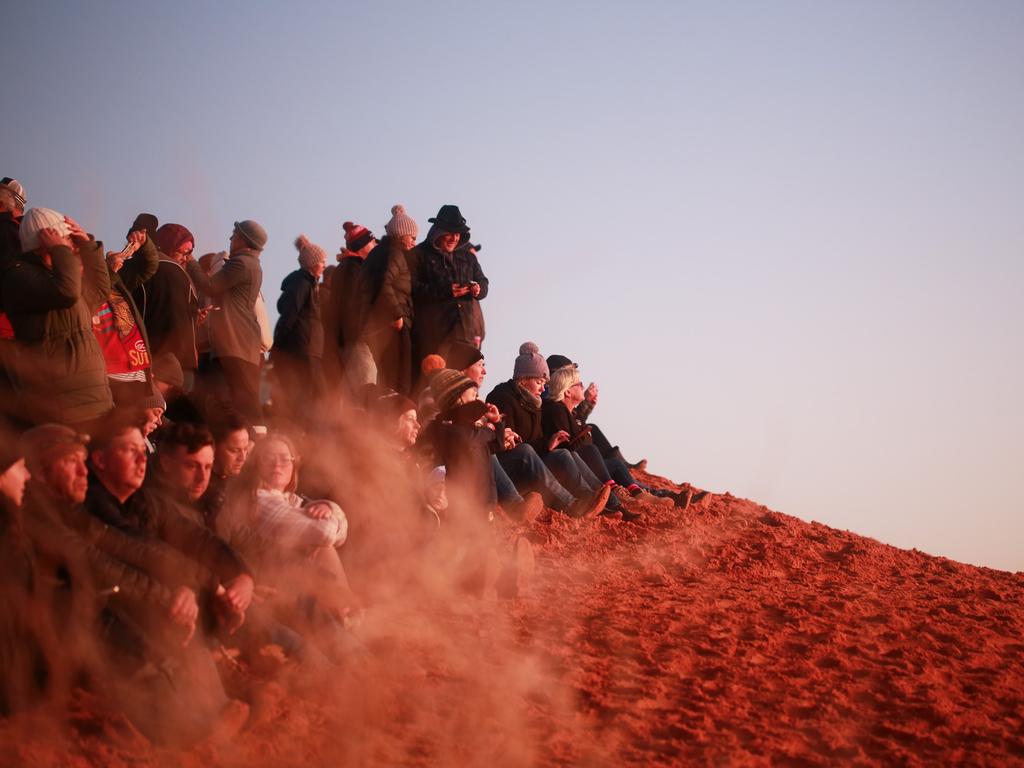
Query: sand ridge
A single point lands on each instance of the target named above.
(727, 634)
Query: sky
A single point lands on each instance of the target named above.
(786, 239)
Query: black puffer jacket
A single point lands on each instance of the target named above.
(299, 331)
(520, 414)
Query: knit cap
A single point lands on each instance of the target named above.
(447, 386)
(401, 223)
(561, 379)
(558, 361)
(35, 221)
(171, 236)
(432, 364)
(530, 363)
(14, 187)
(461, 355)
(310, 254)
(47, 443)
(147, 222)
(356, 236)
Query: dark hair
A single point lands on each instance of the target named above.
(228, 422)
(119, 421)
(192, 437)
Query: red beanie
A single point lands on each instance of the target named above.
(356, 236)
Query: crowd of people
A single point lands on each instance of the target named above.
(153, 427)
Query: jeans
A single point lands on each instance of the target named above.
(507, 493)
(525, 468)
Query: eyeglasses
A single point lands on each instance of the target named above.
(285, 460)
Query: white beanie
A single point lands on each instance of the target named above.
(401, 223)
(36, 220)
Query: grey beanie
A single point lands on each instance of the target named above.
(252, 233)
(401, 223)
(530, 363)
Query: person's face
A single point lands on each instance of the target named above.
(468, 396)
(317, 269)
(231, 452)
(476, 372)
(152, 416)
(447, 242)
(188, 471)
(408, 429)
(533, 384)
(182, 252)
(406, 241)
(68, 476)
(12, 482)
(122, 464)
(276, 465)
(573, 396)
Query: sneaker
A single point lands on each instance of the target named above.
(639, 466)
(683, 498)
(587, 507)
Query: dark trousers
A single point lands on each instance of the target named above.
(526, 470)
(242, 379)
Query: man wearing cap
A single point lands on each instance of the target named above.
(447, 286)
(235, 337)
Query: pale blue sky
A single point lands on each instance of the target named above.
(785, 238)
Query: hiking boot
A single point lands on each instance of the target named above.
(639, 466)
(526, 510)
(587, 507)
(683, 498)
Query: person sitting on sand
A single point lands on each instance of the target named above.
(518, 401)
(566, 407)
(283, 534)
(518, 506)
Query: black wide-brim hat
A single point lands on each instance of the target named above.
(450, 219)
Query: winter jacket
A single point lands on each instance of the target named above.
(299, 330)
(169, 304)
(346, 303)
(555, 417)
(441, 318)
(386, 287)
(520, 414)
(234, 329)
(61, 373)
(154, 517)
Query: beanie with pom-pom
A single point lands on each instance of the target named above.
(432, 363)
(401, 223)
(356, 236)
(311, 255)
(530, 363)
(447, 387)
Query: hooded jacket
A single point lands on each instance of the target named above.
(61, 373)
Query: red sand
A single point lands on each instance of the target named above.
(724, 635)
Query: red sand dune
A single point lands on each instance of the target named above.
(724, 635)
